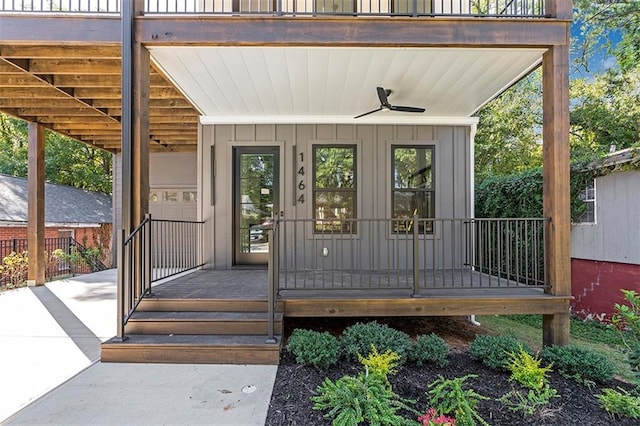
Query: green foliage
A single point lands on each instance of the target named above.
(14, 268)
(620, 403)
(449, 396)
(381, 364)
(627, 320)
(494, 351)
(591, 330)
(528, 402)
(361, 337)
(580, 364)
(366, 398)
(429, 348)
(526, 370)
(314, 348)
(67, 162)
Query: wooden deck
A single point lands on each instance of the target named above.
(435, 298)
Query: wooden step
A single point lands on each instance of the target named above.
(191, 322)
(205, 305)
(193, 349)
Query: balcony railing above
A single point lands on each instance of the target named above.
(415, 8)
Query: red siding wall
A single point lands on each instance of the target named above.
(10, 232)
(596, 286)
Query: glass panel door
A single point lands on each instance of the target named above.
(256, 172)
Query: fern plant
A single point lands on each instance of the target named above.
(620, 403)
(450, 397)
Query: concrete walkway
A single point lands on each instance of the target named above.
(50, 346)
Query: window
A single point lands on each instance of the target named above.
(334, 188)
(412, 191)
(588, 197)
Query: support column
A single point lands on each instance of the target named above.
(35, 205)
(555, 87)
(135, 119)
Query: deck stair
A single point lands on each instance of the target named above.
(201, 331)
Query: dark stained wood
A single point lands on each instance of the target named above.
(297, 31)
(140, 126)
(35, 205)
(34, 29)
(555, 85)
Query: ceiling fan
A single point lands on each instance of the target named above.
(383, 95)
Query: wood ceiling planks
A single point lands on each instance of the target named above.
(76, 90)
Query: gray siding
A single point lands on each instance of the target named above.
(615, 237)
(453, 170)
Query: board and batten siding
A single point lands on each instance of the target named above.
(453, 163)
(615, 236)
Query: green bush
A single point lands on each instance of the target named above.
(494, 351)
(620, 403)
(314, 348)
(581, 364)
(360, 338)
(451, 397)
(351, 401)
(429, 348)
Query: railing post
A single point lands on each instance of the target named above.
(147, 255)
(121, 288)
(279, 8)
(272, 275)
(416, 257)
(415, 8)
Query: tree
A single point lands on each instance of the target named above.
(67, 162)
(509, 136)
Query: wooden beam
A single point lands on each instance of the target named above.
(35, 205)
(58, 51)
(369, 32)
(60, 111)
(19, 79)
(102, 80)
(116, 93)
(555, 93)
(74, 66)
(37, 103)
(35, 29)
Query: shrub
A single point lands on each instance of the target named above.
(314, 348)
(580, 364)
(429, 348)
(494, 351)
(526, 370)
(365, 398)
(627, 320)
(381, 364)
(449, 397)
(620, 402)
(530, 401)
(361, 337)
(14, 268)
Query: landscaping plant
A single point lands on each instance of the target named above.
(627, 320)
(14, 268)
(367, 397)
(494, 351)
(579, 363)
(314, 348)
(359, 338)
(620, 403)
(432, 418)
(536, 393)
(429, 348)
(449, 396)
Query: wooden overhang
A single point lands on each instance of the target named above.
(70, 81)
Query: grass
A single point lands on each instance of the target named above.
(589, 334)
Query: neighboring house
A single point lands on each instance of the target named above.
(605, 241)
(85, 216)
(295, 134)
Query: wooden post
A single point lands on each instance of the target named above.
(555, 87)
(35, 205)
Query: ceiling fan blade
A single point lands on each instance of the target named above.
(367, 113)
(382, 95)
(406, 109)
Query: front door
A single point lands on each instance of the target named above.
(255, 199)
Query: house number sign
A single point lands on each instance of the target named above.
(300, 178)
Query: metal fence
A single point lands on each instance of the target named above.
(411, 253)
(481, 8)
(63, 257)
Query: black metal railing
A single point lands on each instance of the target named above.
(468, 8)
(410, 253)
(155, 250)
(64, 257)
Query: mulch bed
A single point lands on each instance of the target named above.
(295, 384)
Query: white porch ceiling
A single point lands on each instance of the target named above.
(333, 84)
